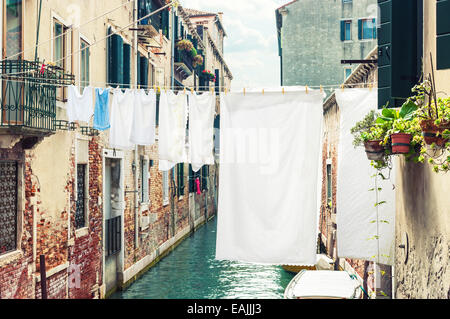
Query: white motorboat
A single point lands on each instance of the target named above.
(323, 284)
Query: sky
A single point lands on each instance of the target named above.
(251, 49)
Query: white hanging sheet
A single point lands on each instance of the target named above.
(359, 221)
(144, 118)
(270, 144)
(121, 119)
(172, 129)
(80, 107)
(201, 129)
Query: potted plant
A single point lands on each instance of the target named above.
(369, 134)
(434, 113)
(209, 75)
(198, 60)
(402, 127)
(185, 45)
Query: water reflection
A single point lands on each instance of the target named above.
(191, 272)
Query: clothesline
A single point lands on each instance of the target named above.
(138, 86)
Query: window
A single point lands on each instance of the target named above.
(348, 72)
(84, 63)
(165, 184)
(81, 204)
(204, 177)
(144, 177)
(367, 29)
(12, 36)
(329, 186)
(8, 206)
(346, 30)
(442, 34)
(119, 61)
(60, 52)
(180, 179)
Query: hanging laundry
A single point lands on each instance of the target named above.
(172, 129)
(121, 119)
(101, 113)
(80, 107)
(144, 118)
(267, 210)
(364, 231)
(201, 129)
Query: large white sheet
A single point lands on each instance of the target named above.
(359, 222)
(270, 143)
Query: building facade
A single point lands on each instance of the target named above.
(99, 216)
(422, 266)
(314, 36)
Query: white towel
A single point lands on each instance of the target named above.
(121, 119)
(80, 107)
(144, 117)
(201, 129)
(172, 128)
(270, 143)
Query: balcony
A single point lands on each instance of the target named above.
(149, 27)
(28, 97)
(183, 63)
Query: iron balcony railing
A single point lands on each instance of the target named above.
(28, 94)
(113, 235)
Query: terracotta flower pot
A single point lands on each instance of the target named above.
(374, 150)
(401, 143)
(430, 132)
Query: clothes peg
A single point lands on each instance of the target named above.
(282, 90)
(342, 87)
(192, 90)
(321, 89)
(370, 86)
(226, 90)
(184, 90)
(263, 91)
(244, 91)
(306, 89)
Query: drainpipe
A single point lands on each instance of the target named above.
(172, 71)
(136, 193)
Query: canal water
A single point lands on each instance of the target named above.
(191, 272)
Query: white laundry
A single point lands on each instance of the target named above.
(121, 119)
(80, 107)
(267, 210)
(144, 118)
(201, 129)
(172, 128)
(359, 224)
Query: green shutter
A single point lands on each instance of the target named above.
(217, 74)
(126, 65)
(342, 30)
(442, 34)
(143, 71)
(360, 29)
(115, 59)
(399, 50)
(191, 180)
(165, 23)
(138, 69)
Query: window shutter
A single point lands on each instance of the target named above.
(115, 59)
(143, 71)
(126, 65)
(374, 28)
(191, 180)
(443, 34)
(342, 30)
(398, 72)
(165, 22)
(360, 29)
(138, 69)
(217, 74)
(176, 26)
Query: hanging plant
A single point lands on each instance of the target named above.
(209, 75)
(198, 60)
(185, 45)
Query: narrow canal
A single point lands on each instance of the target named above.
(191, 272)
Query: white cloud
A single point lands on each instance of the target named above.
(251, 48)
